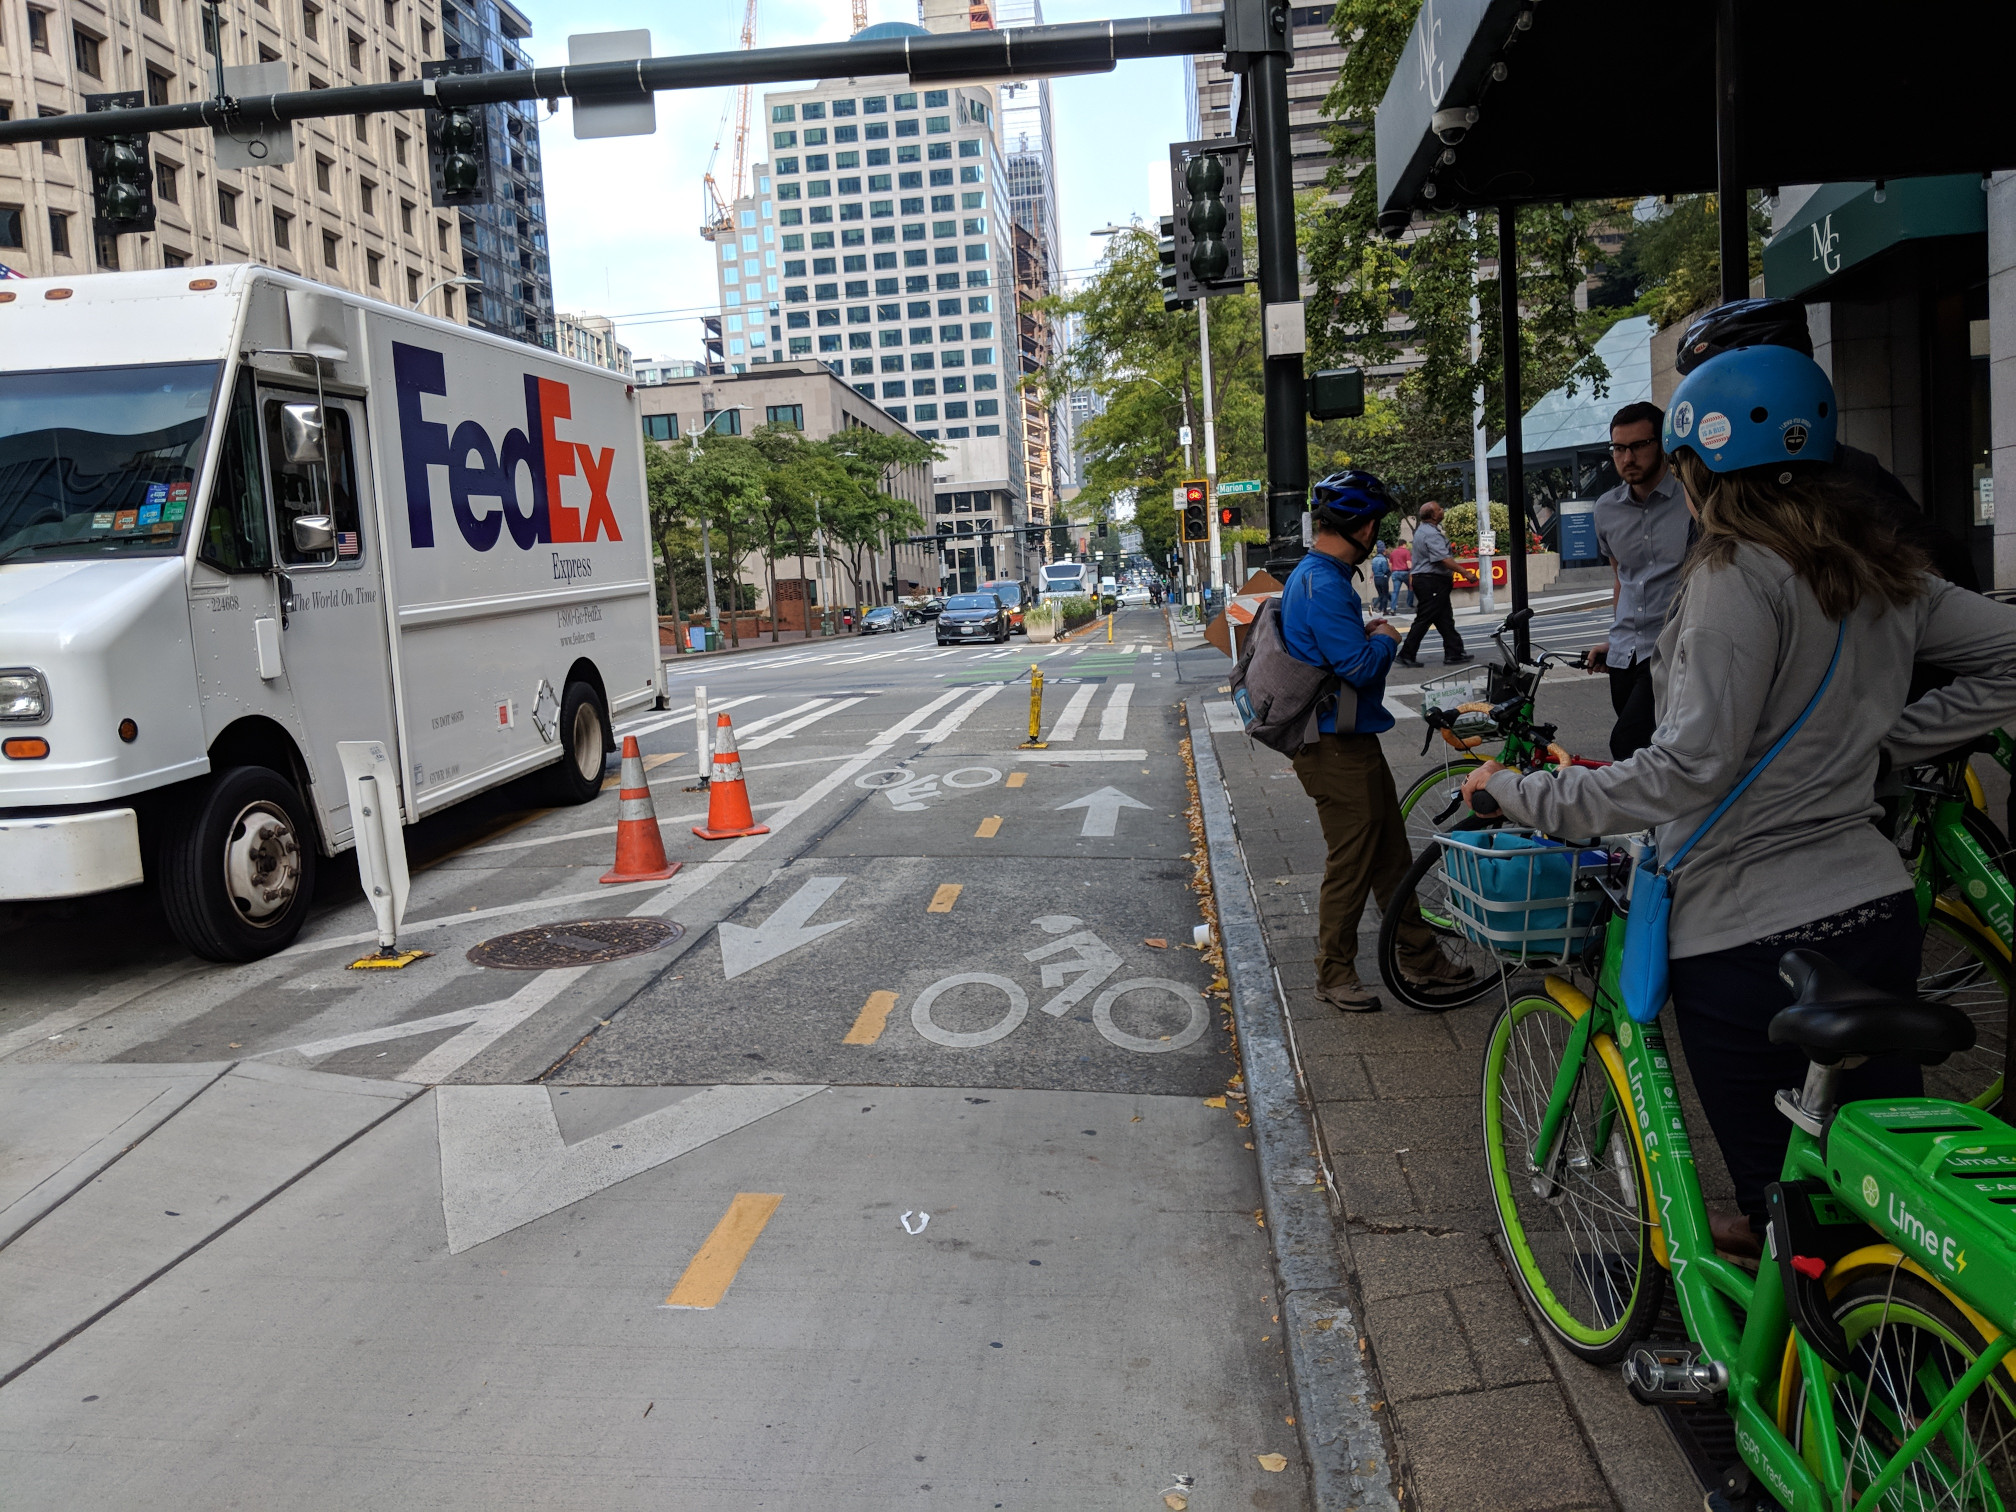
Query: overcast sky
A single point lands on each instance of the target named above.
(624, 213)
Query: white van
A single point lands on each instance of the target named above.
(244, 517)
(1063, 580)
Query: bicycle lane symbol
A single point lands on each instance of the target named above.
(907, 791)
(1091, 961)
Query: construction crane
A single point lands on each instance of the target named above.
(860, 15)
(718, 209)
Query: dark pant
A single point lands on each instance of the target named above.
(1356, 804)
(1724, 1002)
(1631, 701)
(1431, 592)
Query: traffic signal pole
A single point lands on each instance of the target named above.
(1287, 425)
(1210, 442)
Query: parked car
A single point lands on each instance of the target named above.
(1134, 593)
(1015, 596)
(928, 607)
(885, 617)
(969, 616)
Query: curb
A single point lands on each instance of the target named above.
(1350, 1467)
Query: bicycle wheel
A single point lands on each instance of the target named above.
(1425, 884)
(1580, 1234)
(1429, 795)
(1960, 965)
(1908, 1343)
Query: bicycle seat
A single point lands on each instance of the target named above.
(1835, 1015)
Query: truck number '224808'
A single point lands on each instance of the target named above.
(245, 518)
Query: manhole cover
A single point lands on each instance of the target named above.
(583, 942)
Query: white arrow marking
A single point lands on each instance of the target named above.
(504, 1164)
(744, 949)
(1102, 810)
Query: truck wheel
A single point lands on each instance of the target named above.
(576, 777)
(237, 869)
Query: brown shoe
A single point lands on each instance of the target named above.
(1349, 996)
(1443, 973)
(1734, 1236)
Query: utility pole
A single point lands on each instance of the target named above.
(1487, 599)
(1210, 445)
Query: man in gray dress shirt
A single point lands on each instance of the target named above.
(1644, 527)
(1433, 576)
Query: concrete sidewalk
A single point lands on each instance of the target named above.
(1484, 1412)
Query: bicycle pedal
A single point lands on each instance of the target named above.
(1737, 1491)
(1667, 1374)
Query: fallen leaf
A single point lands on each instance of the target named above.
(237, 1045)
(1214, 1102)
(1174, 1502)
(1275, 1462)
(1157, 944)
(1324, 1325)
(1289, 1421)
(1135, 1119)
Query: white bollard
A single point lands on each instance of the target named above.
(703, 744)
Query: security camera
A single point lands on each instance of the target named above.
(1451, 126)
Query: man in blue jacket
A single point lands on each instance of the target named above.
(1345, 772)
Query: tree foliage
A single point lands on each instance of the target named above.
(1145, 363)
(1671, 262)
(1376, 299)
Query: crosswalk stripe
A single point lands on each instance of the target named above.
(1074, 712)
(770, 719)
(1113, 721)
(916, 717)
(959, 716)
(785, 732)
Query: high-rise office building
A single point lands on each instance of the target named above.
(504, 241)
(352, 209)
(1318, 56)
(875, 241)
(591, 339)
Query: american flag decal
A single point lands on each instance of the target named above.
(346, 543)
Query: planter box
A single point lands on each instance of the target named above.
(1041, 633)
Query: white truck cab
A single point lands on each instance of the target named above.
(244, 517)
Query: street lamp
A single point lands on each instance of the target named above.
(459, 281)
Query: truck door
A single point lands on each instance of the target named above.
(333, 639)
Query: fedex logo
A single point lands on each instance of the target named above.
(483, 487)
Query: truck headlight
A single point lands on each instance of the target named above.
(24, 696)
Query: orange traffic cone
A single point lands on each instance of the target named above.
(728, 811)
(640, 848)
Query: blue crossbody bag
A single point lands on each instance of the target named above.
(1644, 972)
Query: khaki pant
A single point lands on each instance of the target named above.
(1347, 778)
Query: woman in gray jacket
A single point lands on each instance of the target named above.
(1788, 551)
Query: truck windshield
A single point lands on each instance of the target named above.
(101, 461)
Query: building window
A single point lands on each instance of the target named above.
(367, 191)
(447, 304)
(330, 243)
(157, 86)
(412, 286)
(227, 207)
(986, 407)
(874, 105)
(166, 188)
(85, 51)
(400, 143)
(906, 129)
(936, 124)
(731, 426)
(170, 258)
(971, 175)
(406, 208)
(360, 127)
(787, 416)
(372, 263)
(986, 430)
(969, 148)
(783, 139)
(815, 110)
(661, 427)
(311, 17)
(108, 252)
(323, 168)
(38, 29)
(426, 38)
(940, 151)
(356, 52)
(59, 233)
(283, 230)
(926, 411)
(783, 113)
(10, 226)
(921, 362)
(441, 235)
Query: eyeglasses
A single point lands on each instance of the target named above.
(1627, 448)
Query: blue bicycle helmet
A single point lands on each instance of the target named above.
(1752, 407)
(1346, 500)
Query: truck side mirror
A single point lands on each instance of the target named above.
(314, 533)
(301, 432)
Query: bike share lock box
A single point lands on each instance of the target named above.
(1939, 1178)
(1807, 1229)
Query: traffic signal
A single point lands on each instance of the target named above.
(458, 142)
(1230, 517)
(1210, 257)
(122, 174)
(1192, 524)
(1167, 247)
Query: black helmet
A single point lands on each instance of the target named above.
(1741, 323)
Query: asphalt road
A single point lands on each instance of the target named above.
(900, 1176)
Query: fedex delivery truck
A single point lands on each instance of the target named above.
(243, 518)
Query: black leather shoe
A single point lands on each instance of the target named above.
(1405, 661)
(1455, 661)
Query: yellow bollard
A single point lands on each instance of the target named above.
(1109, 629)
(1034, 743)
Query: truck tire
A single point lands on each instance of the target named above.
(576, 778)
(237, 872)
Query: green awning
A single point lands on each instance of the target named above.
(1842, 225)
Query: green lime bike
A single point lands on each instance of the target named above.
(1864, 1363)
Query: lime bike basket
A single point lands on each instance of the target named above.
(1515, 892)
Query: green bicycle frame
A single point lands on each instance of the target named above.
(1742, 1321)
(1952, 855)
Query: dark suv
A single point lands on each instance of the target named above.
(972, 616)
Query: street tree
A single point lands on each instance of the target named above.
(720, 486)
